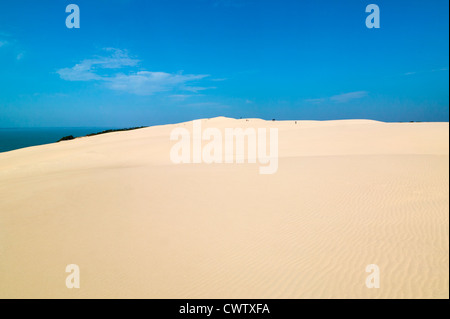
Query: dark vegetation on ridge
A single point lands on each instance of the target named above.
(117, 130)
(70, 137)
(67, 138)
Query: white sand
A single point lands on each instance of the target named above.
(346, 194)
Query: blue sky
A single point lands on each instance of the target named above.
(145, 62)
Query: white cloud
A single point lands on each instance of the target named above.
(196, 89)
(87, 69)
(181, 97)
(148, 83)
(80, 72)
(340, 98)
(219, 80)
(5, 39)
(424, 72)
(316, 101)
(346, 97)
(135, 82)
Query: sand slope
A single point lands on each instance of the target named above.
(346, 194)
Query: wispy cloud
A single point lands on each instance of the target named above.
(340, 98)
(429, 71)
(148, 83)
(7, 42)
(134, 82)
(6, 39)
(346, 97)
(87, 69)
(316, 101)
(181, 97)
(219, 80)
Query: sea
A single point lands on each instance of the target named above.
(16, 138)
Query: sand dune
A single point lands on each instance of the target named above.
(346, 194)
